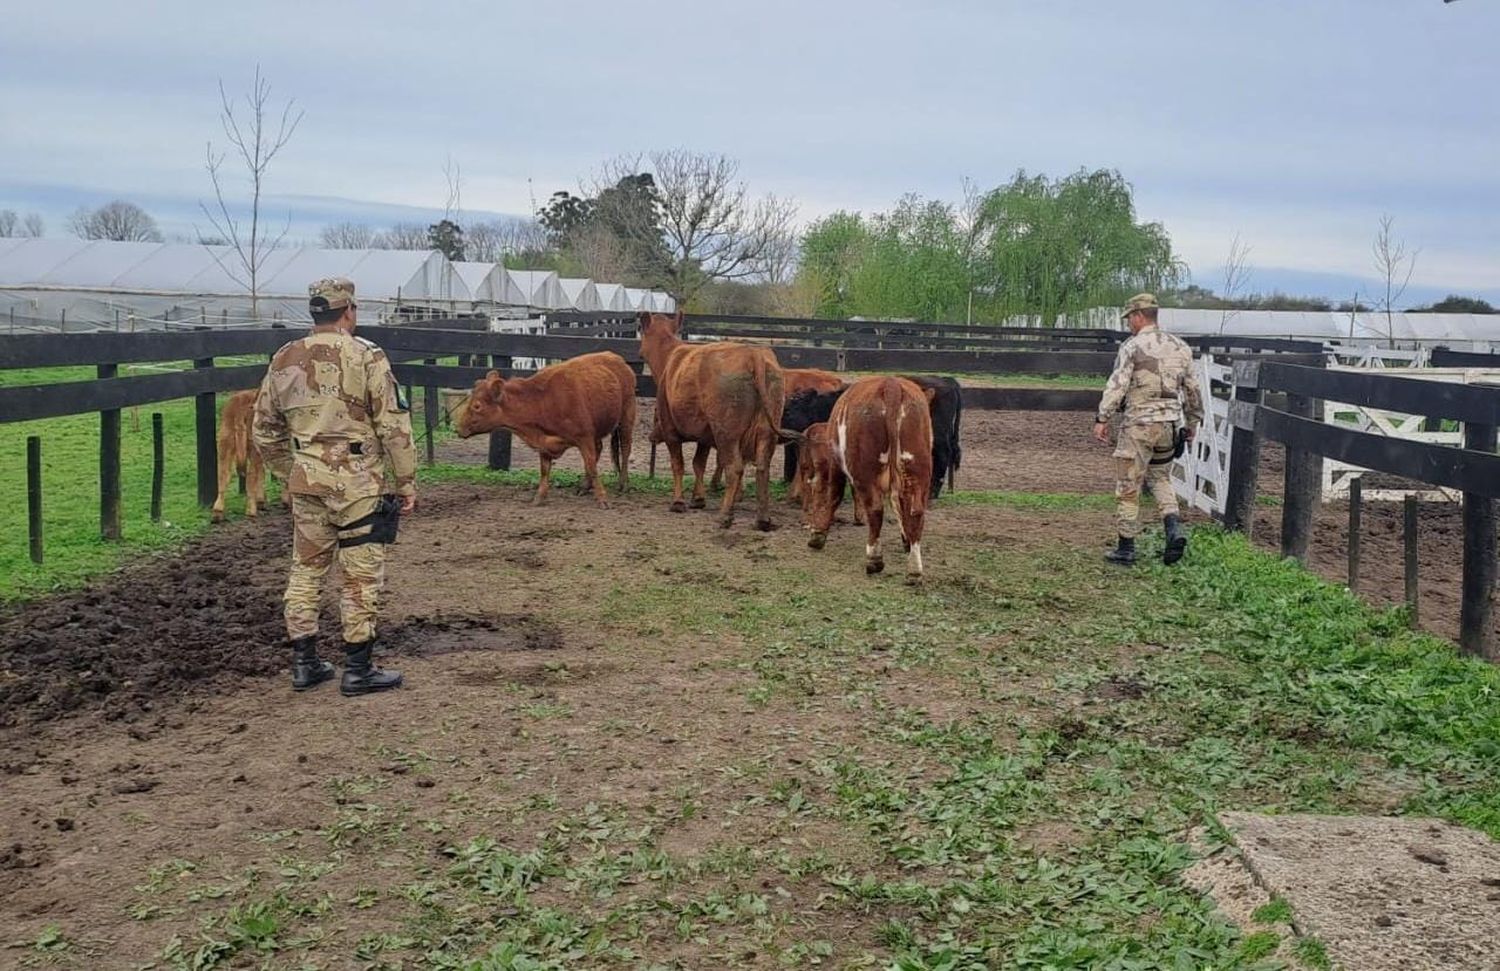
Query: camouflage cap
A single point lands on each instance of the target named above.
(1141, 301)
(330, 293)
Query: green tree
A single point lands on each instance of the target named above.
(447, 237)
(1455, 304)
(914, 264)
(564, 215)
(832, 250)
(1057, 247)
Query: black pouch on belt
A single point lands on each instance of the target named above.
(384, 523)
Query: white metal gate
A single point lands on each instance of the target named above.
(1201, 477)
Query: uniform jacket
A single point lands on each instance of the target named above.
(1154, 381)
(330, 422)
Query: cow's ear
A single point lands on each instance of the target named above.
(930, 394)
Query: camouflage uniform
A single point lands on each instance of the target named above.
(329, 421)
(1154, 380)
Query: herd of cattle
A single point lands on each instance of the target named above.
(891, 440)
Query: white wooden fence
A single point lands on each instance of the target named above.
(1201, 477)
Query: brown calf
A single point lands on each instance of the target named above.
(238, 455)
(725, 395)
(574, 404)
(879, 439)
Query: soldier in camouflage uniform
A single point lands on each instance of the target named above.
(1154, 381)
(329, 421)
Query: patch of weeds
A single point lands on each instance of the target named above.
(1313, 953)
(1259, 945)
(1278, 911)
(546, 709)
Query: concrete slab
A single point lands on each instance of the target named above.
(1381, 892)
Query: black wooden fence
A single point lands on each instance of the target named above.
(1473, 469)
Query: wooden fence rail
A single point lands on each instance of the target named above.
(1473, 469)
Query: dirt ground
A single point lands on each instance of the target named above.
(1052, 452)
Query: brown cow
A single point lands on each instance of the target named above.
(238, 455)
(796, 380)
(574, 404)
(720, 394)
(879, 439)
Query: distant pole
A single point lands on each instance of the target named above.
(158, 461)
(63, 321)
(1477, 609)
(34, 495)
(206, 422)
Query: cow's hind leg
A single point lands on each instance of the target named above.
(546, 484)
(913, 512)
(591, 472)
(226, 469)
(255, 477)
(700, 466)
(874, 507)
(734, 480)
(674, 452)
(621, 441)
(765, 453)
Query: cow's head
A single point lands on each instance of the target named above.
(822, 481)
(484, 409)
(659, 334)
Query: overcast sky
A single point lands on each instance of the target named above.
(1295, 124)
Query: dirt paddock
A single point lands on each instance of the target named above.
(146, 717)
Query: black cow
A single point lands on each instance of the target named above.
(803, 410)
(946, 410)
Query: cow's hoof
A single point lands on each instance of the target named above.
(679, 506)
(216, 517)
(726, 521)
(539, 501)
(698, 502)
(874, 566)
(764, 525)
(603, 504)
(914, 579)
(818, 540)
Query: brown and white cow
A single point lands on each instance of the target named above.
(879, 440)
(574, 404)
(722, 394)
(238, 455)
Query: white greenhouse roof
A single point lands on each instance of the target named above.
(637, 298)
(581, 293)
(541, 289)
(612, 297)
(1334, 326)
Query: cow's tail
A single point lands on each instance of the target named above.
(957, 449)
(614, 449)
(764, 394)
(894, 401)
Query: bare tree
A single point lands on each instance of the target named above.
(1394, 264)
(453, 175)
(1236, 275)
(118, 220)
(602, 255)
(8, 223)
(495, 239)
(407, 236)
(255, 144)
(33, 226)
(347, 235)
(710, 229)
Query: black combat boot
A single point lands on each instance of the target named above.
(361, 676)
(308, 670)
(1124, 554)
(1176, 539)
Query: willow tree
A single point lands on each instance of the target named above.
(832, 250)
(914, 264)
(1058, 247)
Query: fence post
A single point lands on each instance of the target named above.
(109, 464)
(1356, 517)
(1476, 633)
(1244, 448)
(158, 461)
(1303, 488)
(207, 445)
(1409, 559)
(429, 413)
(499, 457)
(34, 495)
